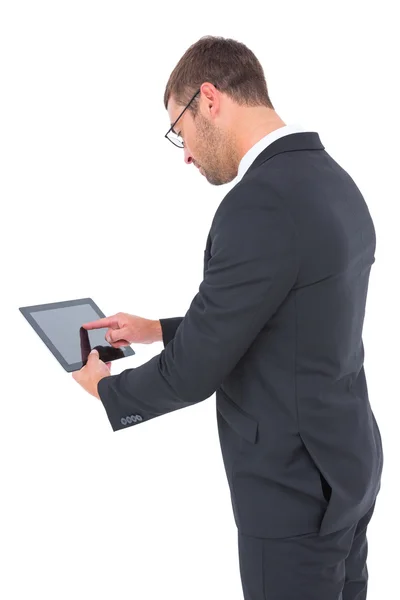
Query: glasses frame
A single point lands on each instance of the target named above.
(176, 120)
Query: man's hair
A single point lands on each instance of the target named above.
(229, 65)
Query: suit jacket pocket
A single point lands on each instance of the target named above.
(326, 488)
(244, 424)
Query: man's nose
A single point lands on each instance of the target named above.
(188, 156)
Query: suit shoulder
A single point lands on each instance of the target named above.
(248, 194)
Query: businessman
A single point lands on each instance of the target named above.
(275, 330)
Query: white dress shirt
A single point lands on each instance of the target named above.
(259, 146)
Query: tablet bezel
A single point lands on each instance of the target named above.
(27, 310)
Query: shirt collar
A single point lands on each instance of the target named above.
(259, 146)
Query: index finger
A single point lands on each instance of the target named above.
(100, 323)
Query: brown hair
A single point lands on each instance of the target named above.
(229, 65)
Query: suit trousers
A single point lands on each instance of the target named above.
(306, 567)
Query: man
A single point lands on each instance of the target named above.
(275, 330)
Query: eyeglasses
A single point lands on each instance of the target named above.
(171, 135)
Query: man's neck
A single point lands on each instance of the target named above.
(254, 127)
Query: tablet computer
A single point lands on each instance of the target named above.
(59, 325)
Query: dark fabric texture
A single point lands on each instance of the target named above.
(169, 327)
(306, 567)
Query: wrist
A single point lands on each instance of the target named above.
(157, 331)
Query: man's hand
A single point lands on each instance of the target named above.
(125, 329)
(94, 370)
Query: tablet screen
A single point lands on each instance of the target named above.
(60, 327)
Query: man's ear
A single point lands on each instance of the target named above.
(210, 97)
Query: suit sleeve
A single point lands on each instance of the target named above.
(169, 327)
(252, 268)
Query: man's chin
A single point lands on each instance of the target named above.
(217, 180)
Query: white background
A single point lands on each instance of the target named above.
(96, 202)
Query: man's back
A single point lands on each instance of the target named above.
(309, 456)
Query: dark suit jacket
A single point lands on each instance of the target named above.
(276, 331)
